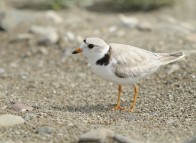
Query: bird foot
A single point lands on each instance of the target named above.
(118, 107)
(129, 109)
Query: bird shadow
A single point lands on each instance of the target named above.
(86, 108)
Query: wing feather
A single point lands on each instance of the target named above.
(133, 62)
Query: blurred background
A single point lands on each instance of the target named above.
(57, 94)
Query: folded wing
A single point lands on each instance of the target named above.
(134, 62)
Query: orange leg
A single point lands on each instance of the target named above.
(118, 107)
(134, 98)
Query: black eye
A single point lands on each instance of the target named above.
(84, 40)
(90, 46)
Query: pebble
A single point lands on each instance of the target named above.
(80, 39)
(70, 35)
(131, 22)
(112, 28)
(10, 120)
(2, 70)
(44, 130)
(97, 135)
(43, 50)
(193, 76)
(193, 140)
(171, 97)
(191, 37)
(170, 19)
(29, 116)
(23, 37)
(3, 107)
(122, 139)
(54, 17)
(48, 34)
(144, 26)
(9, 141)
(21, 107)
(188, 26)
(9, 19)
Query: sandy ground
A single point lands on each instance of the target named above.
(69, 98)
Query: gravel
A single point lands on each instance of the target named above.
(69, 100)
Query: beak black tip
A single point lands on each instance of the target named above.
(74, 52)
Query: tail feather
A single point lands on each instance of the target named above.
(166, 58)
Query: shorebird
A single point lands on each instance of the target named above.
(123, 64)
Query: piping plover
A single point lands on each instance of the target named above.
(123, 64)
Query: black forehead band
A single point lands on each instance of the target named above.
(84, 40)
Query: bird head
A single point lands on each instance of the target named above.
(93, 48)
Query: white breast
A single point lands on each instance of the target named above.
(107, 73)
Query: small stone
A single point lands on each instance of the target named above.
(188, 26)
(131, 22)
(193, 76)
(45, 130)
(8, 141)
(191, 37)
(21, 107)
(122, 139)
(98, 135)
(3, 107)
(170, 121)
(48, 34)
(169, 19)
(144, 26)
(28, 116)
(171, 97)
(193, 140)
(13, 65)
(23, 36)
(43, 50)
(112, 28)
(80, 39)
(53, 16)
(10, 120)
(2, 70)
(11, 18)
(121, 33)
(70, 35)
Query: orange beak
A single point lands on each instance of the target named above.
(78, 50)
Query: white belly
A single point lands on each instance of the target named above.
(108, 74)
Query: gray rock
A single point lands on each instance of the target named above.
(21, 107)
(43, 50)
(9, 19)
(70, 35)
(98, 135)
(191, 37)
(131, 22)
(10, 120)
(122, 139)
(2, 70)
(144, 26)
(23, 36)
(54, 17)
(45, 130)
(29, 116)
(48, 35)
(193, 140)
(3, 107)
(8, 141)
(112, 28)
